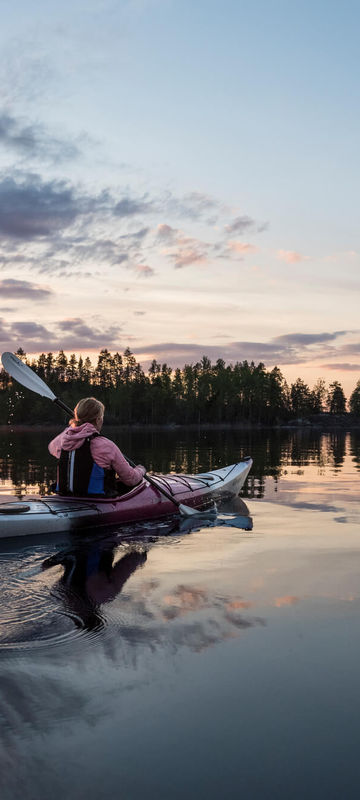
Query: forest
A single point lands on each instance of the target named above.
(201, 393)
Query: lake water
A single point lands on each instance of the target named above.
(216, 662)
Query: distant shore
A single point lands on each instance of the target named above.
(320, 422)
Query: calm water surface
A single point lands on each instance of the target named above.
(162, 661)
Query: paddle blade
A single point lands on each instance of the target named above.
(24, 375)
(186, 511)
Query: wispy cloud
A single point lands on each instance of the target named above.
(31, 208)
(240, 225)
(188, 251)
(144, 270)
(165, 233)
(282, 350)
(30, 331)
(77, 328)
(192, 206)
(69, 334)
(34, 141)
(342, 366)
(241, 247)
(78, 334)
(287, 600)
(130, 207)
(10, 287)
(351, 348)
(230, 351)
(290, 256)
(54, 226)
(182, 250)
(308, 338)
(198, 205)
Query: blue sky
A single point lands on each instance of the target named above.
(182, 178)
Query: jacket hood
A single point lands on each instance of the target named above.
(73, 438)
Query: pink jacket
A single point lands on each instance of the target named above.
(104, 452)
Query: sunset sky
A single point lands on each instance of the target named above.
(182, 178)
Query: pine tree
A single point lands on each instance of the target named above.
(130, 364)
(117, 367)
(49, 366)
(336, 400)
(72, 368)
(103, 370)
(41, 366)
(80, 369)
(354, 401)
(87, 370)
(61, 363)
(318, 395)
(276, 399)
(300, 396)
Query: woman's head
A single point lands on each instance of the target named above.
(89, 410)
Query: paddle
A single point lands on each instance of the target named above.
(28, 378)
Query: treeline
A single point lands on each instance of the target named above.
(199, 393)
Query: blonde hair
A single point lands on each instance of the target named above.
(87, 410)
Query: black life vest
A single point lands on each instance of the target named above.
(80, 476)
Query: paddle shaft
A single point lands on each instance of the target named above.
(64, 407)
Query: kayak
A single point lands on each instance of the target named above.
(34, 515)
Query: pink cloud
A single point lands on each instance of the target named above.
(287, 600)
(290, 256)
(183, 250)
(241, 247)
(145, 270)
(165, 232)
(188, 255)
(342, 366)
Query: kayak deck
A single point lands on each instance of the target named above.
(33, 515)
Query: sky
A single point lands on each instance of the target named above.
(182, 178)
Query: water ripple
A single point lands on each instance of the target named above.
(33, 613)
(58, 597)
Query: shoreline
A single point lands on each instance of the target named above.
(321, 426)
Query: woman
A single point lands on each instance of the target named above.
(88, 462)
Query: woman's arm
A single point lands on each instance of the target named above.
(54, 446)
(107, 454)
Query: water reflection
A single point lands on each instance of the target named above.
(80, 582)
(128, 612)
(355, 448)
(95, 572)
(26, 465)
(156, 643)
(91, 579)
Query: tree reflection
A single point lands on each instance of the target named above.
(355, 448)
(25, 461)
(337, 447)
